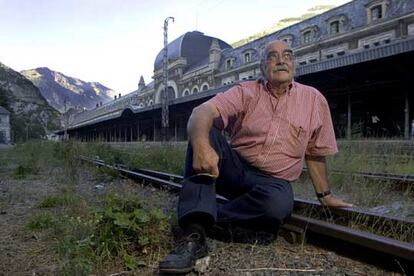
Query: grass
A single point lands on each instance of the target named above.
(119, 229)
(41, 221)
(52, 201)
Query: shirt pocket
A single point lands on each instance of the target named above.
(296, 140)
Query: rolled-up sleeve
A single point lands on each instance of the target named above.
(322, 141)
(229, 104)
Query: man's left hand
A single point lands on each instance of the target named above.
(335, 202)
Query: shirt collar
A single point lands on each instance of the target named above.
(267, 85)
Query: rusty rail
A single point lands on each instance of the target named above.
(396, 249)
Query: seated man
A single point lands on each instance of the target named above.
(276, 124)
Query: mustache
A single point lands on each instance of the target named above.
(280, 67)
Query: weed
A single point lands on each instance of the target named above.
(41, 221)
(22, 171)
(52, 201)
(124, 226)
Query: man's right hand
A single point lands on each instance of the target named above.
(205, 160)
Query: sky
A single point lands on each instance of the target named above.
(114, 42)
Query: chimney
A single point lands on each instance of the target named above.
(100, 103)
(115, 97)
(119, 95)
(97, 105)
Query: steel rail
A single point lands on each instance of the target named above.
(385, 176)
(378, 243)
(300, 204)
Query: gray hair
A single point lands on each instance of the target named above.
(263, 59)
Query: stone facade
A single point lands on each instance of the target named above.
(4, 126)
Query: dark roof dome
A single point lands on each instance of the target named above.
(194, 46)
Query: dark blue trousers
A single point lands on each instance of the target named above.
(256, 200)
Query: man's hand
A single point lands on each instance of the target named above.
(205, 160)
(335, 202)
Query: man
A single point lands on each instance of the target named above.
(276, 124)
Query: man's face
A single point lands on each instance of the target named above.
(279, 63)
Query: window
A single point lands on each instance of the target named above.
(334, 27)
(302, 62)
(307, 37)
(205, 87)
(337, 24)
(186, 92)
(229, 64)
(246, 57)
(309, 34)
(377, 10)
(195, 90)
(376, 13)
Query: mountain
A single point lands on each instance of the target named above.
(283, 24)
(31, 115)
(57, 87)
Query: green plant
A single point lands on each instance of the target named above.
(52, 201)
(41, 221)
(22, 171)
(124, 227)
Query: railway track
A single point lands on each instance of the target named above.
(383, 240)
(399, 178)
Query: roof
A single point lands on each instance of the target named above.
(194, 46)
(3, 110)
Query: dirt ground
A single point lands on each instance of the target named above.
(24, 252)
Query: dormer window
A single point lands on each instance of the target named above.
(376, 13)
(376, 10)
(307, 37)
(247, 57)
(334, 27)
(337, 24)
(229, 63)
(309, 34)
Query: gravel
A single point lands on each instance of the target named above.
(24, 252)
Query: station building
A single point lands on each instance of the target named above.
(359, 55)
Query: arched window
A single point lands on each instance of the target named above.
(247, 57)
(307, 37)
(195, 90)
(204, 87)
(186, 92)
(334, 27)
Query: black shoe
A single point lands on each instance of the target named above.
(182, 259)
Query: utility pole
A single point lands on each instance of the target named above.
(164, 95)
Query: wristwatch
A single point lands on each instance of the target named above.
(323, 194)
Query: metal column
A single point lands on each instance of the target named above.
(348, 125)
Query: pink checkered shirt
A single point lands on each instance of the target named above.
(272, 133)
